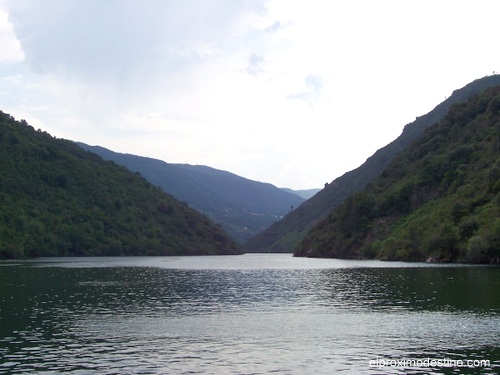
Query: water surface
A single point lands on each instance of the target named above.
(250, 314)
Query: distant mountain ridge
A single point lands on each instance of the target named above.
(438, 200)
(304, 193)
(243, 207)
(58, 200)
(286, 234)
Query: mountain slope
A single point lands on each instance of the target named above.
(243, 207)
(288, 232)
(57, 199)
(439, 199)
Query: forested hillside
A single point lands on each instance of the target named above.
(243, 207)
(59, 200)
(438, 200)
(286, 234)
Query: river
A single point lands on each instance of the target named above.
(248, 314)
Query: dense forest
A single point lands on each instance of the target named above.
(438, 200)
(287, 233)
(59, 200)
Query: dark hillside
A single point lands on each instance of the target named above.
(438, 200)
(243, 207)
(288, 232)
(59, 200)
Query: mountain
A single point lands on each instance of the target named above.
(306, 193)
(59, 200)
(438, 200)
(287, 233)
(243, 207)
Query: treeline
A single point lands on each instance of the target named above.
(59, 200)
(438, 200)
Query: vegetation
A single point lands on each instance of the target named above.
(243, 207)
(438, 200)
(287, 233)
(59, 200)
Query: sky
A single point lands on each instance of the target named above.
(293, 93)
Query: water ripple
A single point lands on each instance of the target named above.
(285, 320)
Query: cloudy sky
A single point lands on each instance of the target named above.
(294, 93)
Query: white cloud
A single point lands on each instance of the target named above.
(312, 92)
(256, 64)
(11, 51)
(110, 41)
(287, 92)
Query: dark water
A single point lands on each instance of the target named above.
(251, 314)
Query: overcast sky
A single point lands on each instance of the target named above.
(295, 93)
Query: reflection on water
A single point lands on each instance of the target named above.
(243, 314)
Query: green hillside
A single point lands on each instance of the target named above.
(287, 233)
(438, 200)
(59, 200)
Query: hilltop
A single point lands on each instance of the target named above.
(286, 234)
(58, 200)
(438, 200)
(243, 207)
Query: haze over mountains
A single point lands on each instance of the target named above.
(286, 234)
(57, 199)
(246, 207)
(304, 193)
(243, 207)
